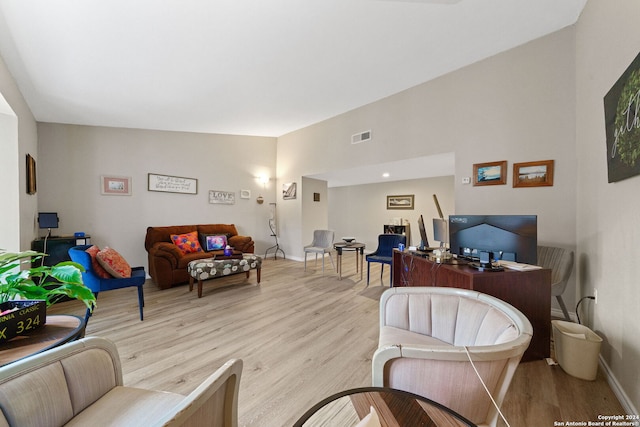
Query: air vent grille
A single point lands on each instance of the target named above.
(361, 137)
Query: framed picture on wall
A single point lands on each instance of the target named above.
(115, 185)
(31, 175)
(491, 173)
(400, 202)
(289, 191)
(533, 174)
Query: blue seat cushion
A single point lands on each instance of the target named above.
(377, 258)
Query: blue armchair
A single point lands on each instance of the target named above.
(384, 253)
(97, 284)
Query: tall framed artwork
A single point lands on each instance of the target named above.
(622, 123)
(31, 175)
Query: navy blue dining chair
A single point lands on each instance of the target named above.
(384, 253)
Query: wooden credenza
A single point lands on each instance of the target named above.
(528, 291)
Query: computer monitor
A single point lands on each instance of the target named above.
(424, 241)
(507, 237)
(48, 219)
(440, 231)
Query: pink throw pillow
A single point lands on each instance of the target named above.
(97, 268)
(113, 262)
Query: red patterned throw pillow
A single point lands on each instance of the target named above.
(113, 262)
(187, 243)
(97, 268)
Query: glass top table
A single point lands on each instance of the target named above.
(394, 408)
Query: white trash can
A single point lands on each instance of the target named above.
(577, 349)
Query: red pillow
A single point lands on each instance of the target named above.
(113, 262)
(97, 268)
(187, 243)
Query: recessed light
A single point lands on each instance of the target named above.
(385, 175)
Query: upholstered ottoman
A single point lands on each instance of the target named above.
(209, 268)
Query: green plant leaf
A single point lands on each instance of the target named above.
(40, 282)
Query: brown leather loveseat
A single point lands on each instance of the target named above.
(168, 265)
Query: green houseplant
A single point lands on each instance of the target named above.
(40, 282)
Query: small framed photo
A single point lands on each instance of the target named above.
(245, 194)
(400, 202)
(115, 185)
(533, 174)
(289, 191)
(491, 173)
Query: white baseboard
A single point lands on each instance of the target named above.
(611, 379)
(617, 388)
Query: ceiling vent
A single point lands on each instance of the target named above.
(361, 137)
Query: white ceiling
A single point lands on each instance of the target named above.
(248, 67)
(415, 168)
(253, 67)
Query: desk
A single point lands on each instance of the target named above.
(58, 330)
(354, 246)
(58, 247)
(394, 408)
(528, 291)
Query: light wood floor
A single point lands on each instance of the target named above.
(302, 336)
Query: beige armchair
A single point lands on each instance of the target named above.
(425, 333)
(80, 384)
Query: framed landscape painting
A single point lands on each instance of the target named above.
(533, 174)
(400, 202)
(491, 173)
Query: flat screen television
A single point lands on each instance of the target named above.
(507, 237)
(48, 219)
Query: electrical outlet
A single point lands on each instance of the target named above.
(466, 180)
(595, 295)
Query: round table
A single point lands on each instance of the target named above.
(394, 407)
(353, 246)
(58, 330)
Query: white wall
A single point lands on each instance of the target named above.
(74, 158)
(517, 106)
(9, 174)
(314, 215)
(608, 227)
(361, 210)
(18, 137)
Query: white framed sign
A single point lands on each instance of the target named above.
(222, 197)
(172, 184)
